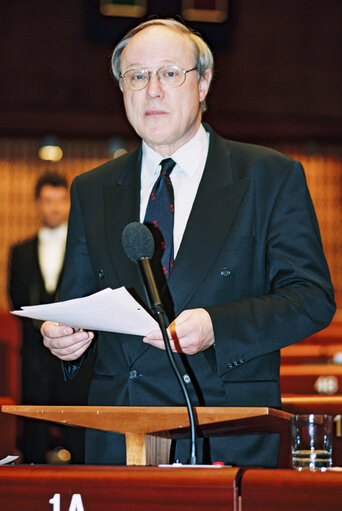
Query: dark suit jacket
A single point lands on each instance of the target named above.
(251, 255)
(40, 372)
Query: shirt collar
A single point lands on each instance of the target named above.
(45, 233)
(188, 156)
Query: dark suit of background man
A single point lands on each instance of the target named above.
(36, 267)
(249, 275)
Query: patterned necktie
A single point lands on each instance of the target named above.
(159, 218)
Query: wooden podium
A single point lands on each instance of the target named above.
(149, 429)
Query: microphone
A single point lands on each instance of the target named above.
(138, 243)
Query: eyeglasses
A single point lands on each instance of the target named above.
(168, 76)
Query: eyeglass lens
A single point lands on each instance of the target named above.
(170, 76)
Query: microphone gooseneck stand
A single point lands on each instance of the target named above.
(138, 244)
(159, 314)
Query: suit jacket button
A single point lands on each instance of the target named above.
(225, 272)
(186, 378)
(230, 365)
(241, 361)
(235, 363)
(101, 274)
(133, 374)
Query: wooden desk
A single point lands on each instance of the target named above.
(310, 353)
(324, 379)
(28, 488)
(331, 405)
(280, 490)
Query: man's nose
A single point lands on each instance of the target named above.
(154, 87)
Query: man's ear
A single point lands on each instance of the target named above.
(204, 84)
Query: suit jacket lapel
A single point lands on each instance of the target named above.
(122, 206)
(211, 218)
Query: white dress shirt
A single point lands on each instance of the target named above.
(185, 177)
(51, 249)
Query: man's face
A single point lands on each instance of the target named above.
(164, 117)
(53, 205)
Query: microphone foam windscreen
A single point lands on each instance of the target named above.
(137, 241)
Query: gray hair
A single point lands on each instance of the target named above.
(203, 56)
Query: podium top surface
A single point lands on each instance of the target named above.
(167, 422)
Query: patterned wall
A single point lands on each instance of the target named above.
(324, 177)
(20, 168)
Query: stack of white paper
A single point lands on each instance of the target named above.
(110, 310)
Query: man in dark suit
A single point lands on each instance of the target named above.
(248, 277)
(35, 271)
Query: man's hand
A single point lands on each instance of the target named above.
(64, 342)
(191, 332)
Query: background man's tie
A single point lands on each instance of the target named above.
(159, 218)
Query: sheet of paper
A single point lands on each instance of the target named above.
(110, 310)
(8, 459)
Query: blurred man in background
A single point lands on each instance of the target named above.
(36, 268)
